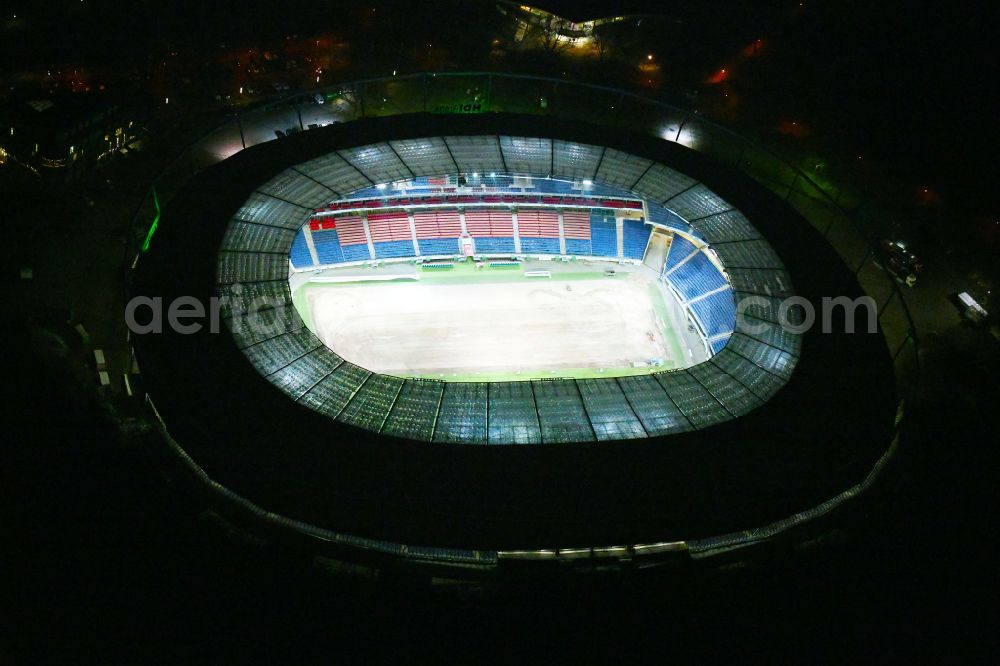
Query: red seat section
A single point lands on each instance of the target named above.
(538, 223)
(576, 224)
(520, 199)
(437, 224)
(389, 227)
(489, 223)
(322, 224)
(351, 230)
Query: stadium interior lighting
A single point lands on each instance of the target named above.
(470, 249)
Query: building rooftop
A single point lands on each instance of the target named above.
(581, 12)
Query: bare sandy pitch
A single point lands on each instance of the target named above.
(415, 329)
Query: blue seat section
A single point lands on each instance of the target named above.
(357, 252)
(494, 245)
(603, 235)
(432, 246)
(696, 277)
(578, 246)
(717, 313)
(555, 186)
(602, 190)
(635, 235)
(717, 345)
(419, 183)
(680, 248)
(540, 245)
(370, 193)
(394, 249)
(547, 186)
(668, 218)
(328, 249)
(506, 183)
(300, 251)
(501, 181)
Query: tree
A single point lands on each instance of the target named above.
(603, 41)
(548, 39)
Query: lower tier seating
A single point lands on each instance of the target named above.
(635, 235)
(540, 245)
(696, 276)
(494, 245)
(433, 246)
(603, 235)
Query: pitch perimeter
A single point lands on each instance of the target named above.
(467, 326)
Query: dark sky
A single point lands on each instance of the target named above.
(918, 86)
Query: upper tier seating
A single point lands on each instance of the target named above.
(660, 215)
(486, 223)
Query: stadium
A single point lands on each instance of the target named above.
(462, 339)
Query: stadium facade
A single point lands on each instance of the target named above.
(771, 426)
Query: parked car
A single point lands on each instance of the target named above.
(971, 309)
(895, 258)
